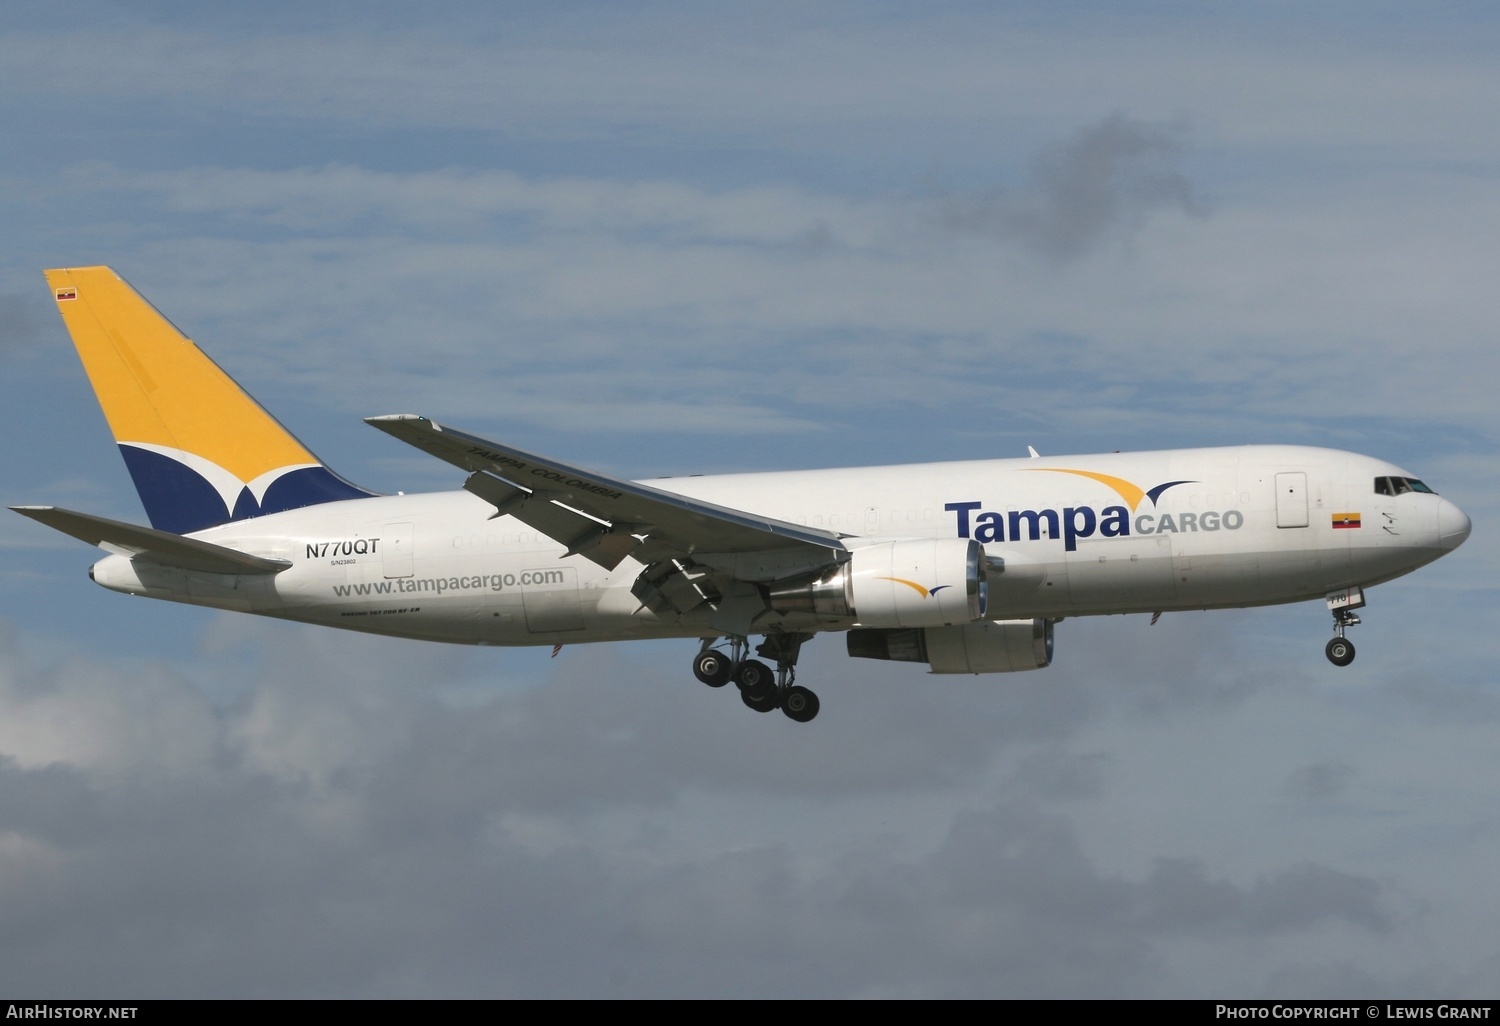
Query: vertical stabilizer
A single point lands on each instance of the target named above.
(201, 451)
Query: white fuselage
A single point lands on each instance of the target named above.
(1079, 535)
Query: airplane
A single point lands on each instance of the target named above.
(964, 566)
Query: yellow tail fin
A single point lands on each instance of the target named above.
(200, 450)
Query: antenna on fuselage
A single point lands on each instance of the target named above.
(1034, 454)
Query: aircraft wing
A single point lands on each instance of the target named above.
(601, 517)
(168, 549)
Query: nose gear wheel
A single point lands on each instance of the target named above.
(1340, 650)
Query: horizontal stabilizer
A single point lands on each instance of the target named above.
(168, 549)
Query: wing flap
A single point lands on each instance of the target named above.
(602, 517)
(160, 546)
(583, 535)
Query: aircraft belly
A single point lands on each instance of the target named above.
(238, 593)
(1380, 562)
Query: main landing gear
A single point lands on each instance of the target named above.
(1342, 604)
(761, 688)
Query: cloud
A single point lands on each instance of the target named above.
(670, 307)
(1320, 781)
(346, 815)
(95, 719)
(1180, 896)
(20, 323)
(1106, 180)
(779, 78)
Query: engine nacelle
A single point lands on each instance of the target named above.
(929, 582)
(990, 646)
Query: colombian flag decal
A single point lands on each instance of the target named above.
(1345, 520)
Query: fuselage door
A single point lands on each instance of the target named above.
(1291, 500)
(550, 598)
(397, 546)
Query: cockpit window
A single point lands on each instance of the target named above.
(1400, 486)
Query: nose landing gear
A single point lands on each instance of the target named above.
(760, 688)
(1342, 604)
(1340, 651)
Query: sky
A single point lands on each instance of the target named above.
(672, 238)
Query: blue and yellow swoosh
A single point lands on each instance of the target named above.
(1131, 493)
(925, 592)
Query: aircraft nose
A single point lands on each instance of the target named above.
(1453, 525)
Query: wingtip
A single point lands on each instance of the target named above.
(387, 421)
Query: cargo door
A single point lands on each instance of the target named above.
(550, 598)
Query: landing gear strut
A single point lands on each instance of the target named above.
(1342, 604)
(760, 688)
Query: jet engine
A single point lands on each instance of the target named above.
(990, 646)
(930, 582)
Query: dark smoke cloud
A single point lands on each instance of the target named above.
(1108, 178)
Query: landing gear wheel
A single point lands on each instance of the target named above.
(799, 704)
(761, 703)
(1340, 651)
(754, 676)
(712, 668)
